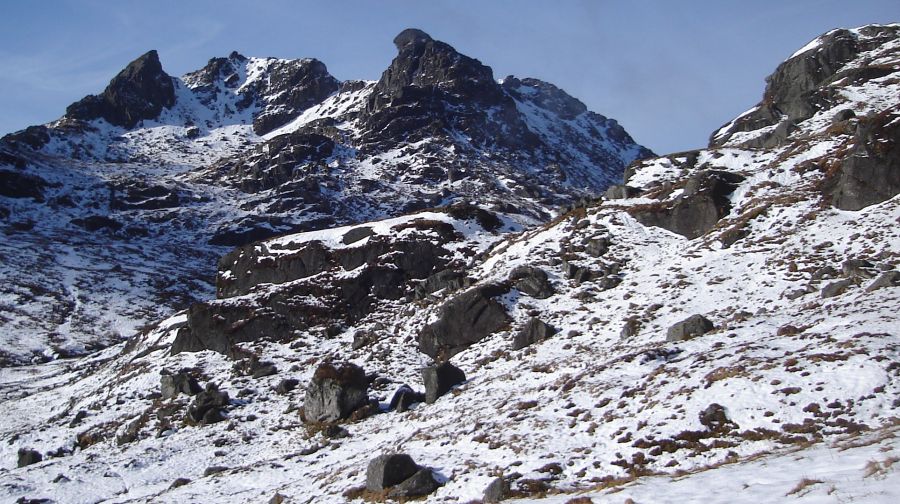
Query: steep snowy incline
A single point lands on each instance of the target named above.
(725, 314)
(155, 176)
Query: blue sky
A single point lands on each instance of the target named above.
(670, 72)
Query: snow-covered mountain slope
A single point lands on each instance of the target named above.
(116, 212)
(723, 327)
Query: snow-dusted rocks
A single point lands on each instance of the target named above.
(141, 91)
(399, 476)
(532, 281)
(691, 327)
(464, 320)
(335, 392)
(439, 379)
(534, 331)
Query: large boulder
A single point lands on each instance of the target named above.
(448, 279)
(335, 392)
(14, 184)
(533, 331)
(388, 470)
(697, 209)
(886, 279)
(532, 281)
(28, 457)
(691, 327)
(400, 476)
(464, 320)
(440, 379)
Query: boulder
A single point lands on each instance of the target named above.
(335, 392)
(533, 331)
(386, 471)
(14, 184)
(419, 484)
(170, 385)
(691, 327)
(837, 288)
(496, 491)
(207, 405)
(532, 281)
(405, 397)
(448, 279)
(28, 457)
(440, 379)
(870, 171)
(886, 279)
(697, 209)
(464, 320)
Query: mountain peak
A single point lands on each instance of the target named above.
(140, 91)
(411, 37)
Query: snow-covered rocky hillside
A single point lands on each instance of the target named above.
(720, 327)
(116, 213)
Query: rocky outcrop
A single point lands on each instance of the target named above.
(799, 87)
(870, 172)
(400, 476)
(691, 327)
(335, 392)
(534, 331)
(697, 209)
(532, 281)
(464, 320)
(440, 379)
(14, 184)
(138, 92)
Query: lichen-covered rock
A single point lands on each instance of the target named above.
(699, 207)
(691, 327)
(532, 281)
(388, 470)
(335, 392)
(535, 330)
(27, 457)
(464, 320)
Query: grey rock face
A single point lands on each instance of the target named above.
(386, 471)
(886, 279)
(28, 457)
(533, 331)
(532, 281)
(464, 320)
(419, 484)
(691, 327)
(448, 279)
(335, 392)
(496, 491)
(440, 379)
(870, 172)
(837, 288)
(21, 185)
(171, 385)
(701, 205)
(138, 92)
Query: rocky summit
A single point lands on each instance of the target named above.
(275, 286)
